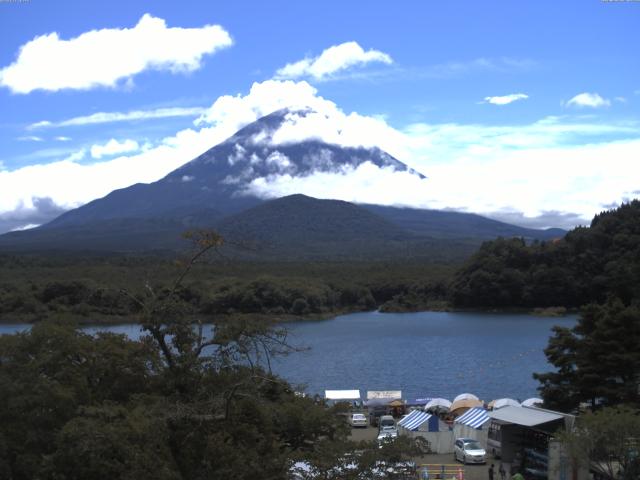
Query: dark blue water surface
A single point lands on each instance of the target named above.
(426, 354)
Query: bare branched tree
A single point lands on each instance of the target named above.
(186, 342)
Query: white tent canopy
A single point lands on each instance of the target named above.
(338, 395)
(532, 402)
(465, 396)
(438, 402)
(504, 402)
(464, 403)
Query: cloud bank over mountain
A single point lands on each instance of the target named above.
(542, 129)
(526, 171)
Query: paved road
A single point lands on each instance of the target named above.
(471, 472)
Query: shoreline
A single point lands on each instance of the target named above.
(548, 312)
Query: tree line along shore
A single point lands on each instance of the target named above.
(89, 289)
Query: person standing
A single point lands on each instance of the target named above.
(491, 472)
(502, 472)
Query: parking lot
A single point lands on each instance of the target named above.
(471, 472)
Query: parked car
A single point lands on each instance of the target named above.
(358, 420)
(377, 411)
(386, 421)
(387, 434)
(468, 450)
(388, 428)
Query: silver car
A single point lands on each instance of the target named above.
(358, 420)
(468, 450)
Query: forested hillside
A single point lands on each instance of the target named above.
(597, 269)
(590, 264)
(90, 289)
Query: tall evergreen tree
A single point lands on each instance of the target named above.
(597, 361)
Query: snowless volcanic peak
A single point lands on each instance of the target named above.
(283, 147)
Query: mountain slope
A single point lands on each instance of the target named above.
(215, 191)
(293, 227)
(447, 224)
(220, 178)
(121, 235)
(298, 226)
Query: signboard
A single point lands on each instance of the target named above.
(384, 394)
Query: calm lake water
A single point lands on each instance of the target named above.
(426, 354)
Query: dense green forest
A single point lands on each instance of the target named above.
(89, 289)
(590, 264)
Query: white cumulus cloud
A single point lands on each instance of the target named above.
(506, 99)
(102, 58)
(114, 147)
(332, 60)
(230, 113)
(592, 100)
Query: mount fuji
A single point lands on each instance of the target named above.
(218, 190)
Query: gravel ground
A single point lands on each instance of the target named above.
(471, 472)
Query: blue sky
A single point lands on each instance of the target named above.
(525, 111)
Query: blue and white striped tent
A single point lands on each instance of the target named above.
(415, 420)
(474, 418)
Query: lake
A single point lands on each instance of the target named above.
(425, 354)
